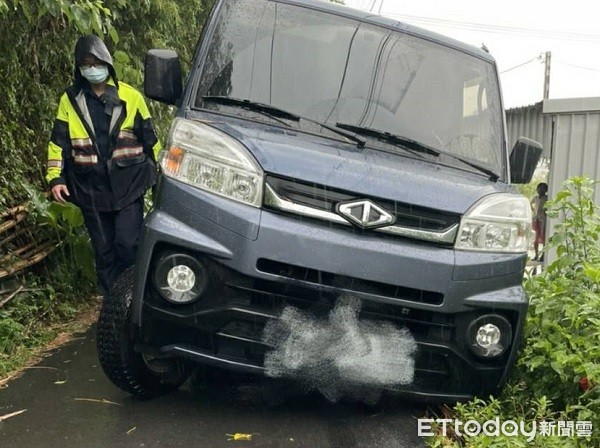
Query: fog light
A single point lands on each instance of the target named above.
(489, 336)
(179, 278)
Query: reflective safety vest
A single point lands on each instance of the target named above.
(95, 181)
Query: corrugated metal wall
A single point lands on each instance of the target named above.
(576, 142)
(568, 129)
(529, 122)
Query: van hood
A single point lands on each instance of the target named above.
(374, 173)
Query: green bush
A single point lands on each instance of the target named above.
(35, 314)
(557, 376)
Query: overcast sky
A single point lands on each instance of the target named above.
(517, 31)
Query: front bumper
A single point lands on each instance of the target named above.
(258, 262)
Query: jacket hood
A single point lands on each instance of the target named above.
(93, 45)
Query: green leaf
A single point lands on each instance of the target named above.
(54, 211)
(562, 195)
(38, 199)
(84, 258)
(593, 272)
(97, 25)
(114, 35)
(26, 9)
(80, 19)
(121, 57)
(72, 215)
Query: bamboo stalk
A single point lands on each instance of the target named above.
(8, 239)
(42, 253)
(23, 252)
(13, 211)
(7, 291)
(7, 225)
(12, 296)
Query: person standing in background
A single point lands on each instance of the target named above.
(538, 204)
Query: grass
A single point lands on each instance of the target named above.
(48, 310)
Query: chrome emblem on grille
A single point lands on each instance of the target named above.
(365, 214)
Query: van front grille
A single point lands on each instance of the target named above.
(324, 198)
(347, 283)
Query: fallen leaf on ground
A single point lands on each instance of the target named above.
(95, 400)
(12, 414)
(240, 436)
(4, 382)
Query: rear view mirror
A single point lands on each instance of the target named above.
(162, 79)
(524, 159)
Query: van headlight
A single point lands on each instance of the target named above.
(497, 223)
(207, 158)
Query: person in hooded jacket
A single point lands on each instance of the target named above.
(102, 157)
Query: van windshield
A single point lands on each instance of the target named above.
(337, 70)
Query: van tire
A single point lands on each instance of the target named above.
(126, 368)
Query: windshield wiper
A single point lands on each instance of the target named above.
(408, 144)
(493, 175)
(276, 112)
(411, 144)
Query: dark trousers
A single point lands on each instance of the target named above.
(115, 236)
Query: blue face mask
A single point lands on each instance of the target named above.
(95, 75)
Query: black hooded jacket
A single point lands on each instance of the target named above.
(95, 46)
(111, 178)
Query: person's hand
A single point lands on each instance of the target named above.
(59, 192)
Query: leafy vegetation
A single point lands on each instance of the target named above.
(37, 40)
(38, 313)
(557, 376)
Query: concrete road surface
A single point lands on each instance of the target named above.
(70, 403)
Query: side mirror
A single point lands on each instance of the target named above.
(162, 79)
(524, 159)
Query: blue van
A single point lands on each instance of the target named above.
(320, 152)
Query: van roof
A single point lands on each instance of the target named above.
(368, 17)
